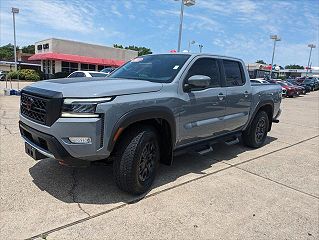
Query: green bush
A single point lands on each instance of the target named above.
(25, 74)
(13, 74)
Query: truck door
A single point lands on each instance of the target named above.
(238, 91)
(202, 109)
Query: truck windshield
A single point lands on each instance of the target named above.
(155, 68)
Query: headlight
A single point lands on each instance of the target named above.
(82, 107)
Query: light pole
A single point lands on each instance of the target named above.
(200, 47)
(189, 45)
(14, 11)
(187, 3)
(276, 39)
(311, 47)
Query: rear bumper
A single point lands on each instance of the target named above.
(49, 146)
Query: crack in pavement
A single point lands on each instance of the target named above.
(6, 128)
(173, 187)
(73, 194)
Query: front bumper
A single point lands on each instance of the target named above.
(48, 146)
(56, 141)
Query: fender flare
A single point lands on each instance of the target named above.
(258, 107)
(140, 114)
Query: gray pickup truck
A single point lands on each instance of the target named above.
(145, 112)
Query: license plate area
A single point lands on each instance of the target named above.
(32, 152)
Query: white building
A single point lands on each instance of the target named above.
(58, 55)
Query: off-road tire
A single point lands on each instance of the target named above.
(129, 156)
(249, 136)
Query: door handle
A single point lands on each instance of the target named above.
(220, 96)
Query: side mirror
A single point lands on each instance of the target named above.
(198, 81)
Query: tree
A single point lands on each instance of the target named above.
(141, 50)
(261, 62)
(118, 46)
(294, 66)
(7, 52)
(28, 49)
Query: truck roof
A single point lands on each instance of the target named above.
(198, 54)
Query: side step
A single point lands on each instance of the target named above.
(205, 151)
(232, 141)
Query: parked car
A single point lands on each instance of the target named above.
(295, 82)
(108, 70)
(290, 91)
(312, 83)
(144, 112)
(299, 89)
(3, 75)
(259, 81)
(77, 74)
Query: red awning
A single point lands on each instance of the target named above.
(76, 58)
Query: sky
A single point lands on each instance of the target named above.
(237, 28)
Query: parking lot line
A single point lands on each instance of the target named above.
(44, 234)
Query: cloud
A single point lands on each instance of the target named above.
(115, 11)
(71, 15)
(128, 5)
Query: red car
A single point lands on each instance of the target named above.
(291, 91)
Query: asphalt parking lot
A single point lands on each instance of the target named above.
(231, 193)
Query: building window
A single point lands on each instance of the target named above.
(48, 67)
(44, 67)
(69, 67)
(87, 67)
(100, 67)
(84, 67)
(53, 67)
(46, 46)
(39, 47)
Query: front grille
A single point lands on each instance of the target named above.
(34, 108)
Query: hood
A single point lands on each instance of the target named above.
(94, 87)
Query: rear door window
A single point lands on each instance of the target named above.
(233, 73)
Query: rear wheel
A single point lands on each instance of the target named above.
(136, 160)
(256, 135)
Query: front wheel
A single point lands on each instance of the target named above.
(256, 134)
(136, 160)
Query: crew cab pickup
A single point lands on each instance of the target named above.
(146, 112)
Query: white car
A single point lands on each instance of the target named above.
(257, 80)
(87, 74)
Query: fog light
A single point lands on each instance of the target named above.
(80, 140)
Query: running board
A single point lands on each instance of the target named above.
(206, 150)
(232, 141)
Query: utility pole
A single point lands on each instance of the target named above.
(200, 47)
(311, 47)
(187, 3)
(14, 11)
(276, 39)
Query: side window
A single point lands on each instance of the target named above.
(233, 73)
(207, 67)
(75, 74)
(80, 74)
